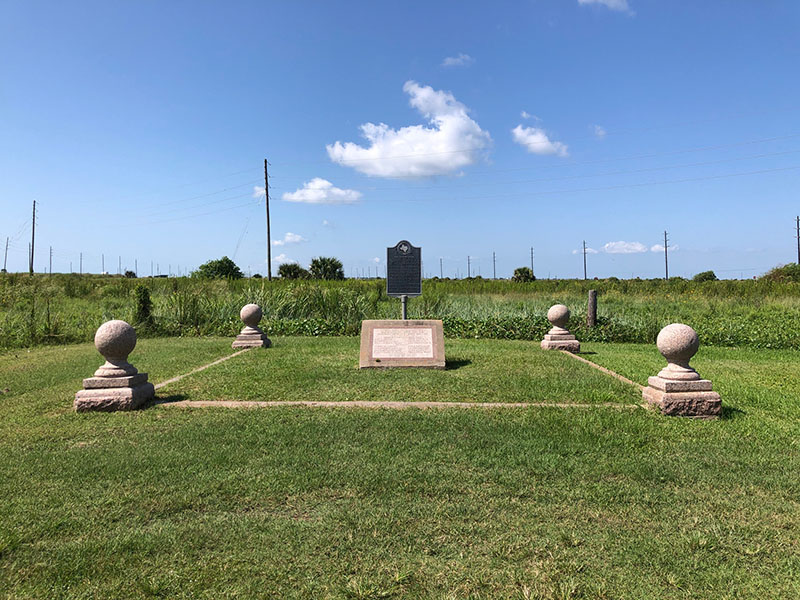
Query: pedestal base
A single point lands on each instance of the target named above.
(683, 398)
(109, 399)
(561, 342)
(248, 340)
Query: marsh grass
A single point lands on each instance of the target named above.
(69, 308)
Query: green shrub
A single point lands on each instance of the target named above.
(705, 276)
(523, 275)
(790, 272)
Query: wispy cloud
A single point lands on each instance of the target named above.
(624, 248)
(536, 141)
(451, 141)
(588, 251)
(282, 258)
(322, 191)
(660, 248)
(289, 238)
(599, 131)
(462, 60)
(619, 5)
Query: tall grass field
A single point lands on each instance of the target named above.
(62, 309)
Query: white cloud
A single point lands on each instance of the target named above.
(620, 5)
(452, 141)
(326, 223)
(258, 191)
(660, 248)
(535, 141)
(588, 251)
(462, 60)
(322, 191)
(624, 248)
(289, 238)
(376, 260)
(525, 114)
(282, 258)
(599, 132)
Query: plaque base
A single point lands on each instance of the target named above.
(402, 344)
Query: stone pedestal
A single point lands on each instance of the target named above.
(116, 385)
(559, 337)
(678, 390)
(251, 336)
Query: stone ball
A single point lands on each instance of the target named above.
(115, 339)
(678, 343)
(251, 314)
(558, 315)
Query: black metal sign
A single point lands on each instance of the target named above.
(404, 270)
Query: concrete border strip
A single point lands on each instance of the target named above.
(603, 369)
(158, 386)
(393, 404)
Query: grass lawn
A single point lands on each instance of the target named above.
(353, 503)
(307, 368)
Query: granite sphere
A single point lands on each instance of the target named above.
(558, 315)
(251, 314)
(115, 340)
(678, 343)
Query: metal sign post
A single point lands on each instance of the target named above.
(404, 273)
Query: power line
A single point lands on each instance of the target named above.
(589, 175)
(611, 187)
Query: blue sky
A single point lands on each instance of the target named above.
(467, 128)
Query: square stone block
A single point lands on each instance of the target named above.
(671, 385)
(258, 340)
(113, 399)
(572, 345)
(558, 337)
(398, 343)
(92, 383)
(696, 404)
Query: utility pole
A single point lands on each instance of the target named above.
(33, 239)
(119, 266)
(494, 265)
(136, 266)
(533, 273)
(797, 220)
(51, 260)
(666, 259)
(468, 267)
(5, 257)
(269, 236)
(151, 268)
(80, 264)
(103, 264)
(584, 260)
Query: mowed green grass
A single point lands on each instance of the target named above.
(306, 368)
(375, 503)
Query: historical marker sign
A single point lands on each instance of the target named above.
(404, 270)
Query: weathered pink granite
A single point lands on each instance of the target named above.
(402, 344)
(678, 390)
(251, 336)
(116, 385)
(559, 337)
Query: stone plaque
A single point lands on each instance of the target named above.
(404, 270)
(402, 344)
